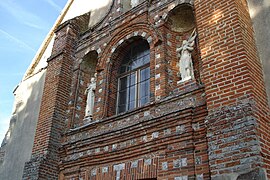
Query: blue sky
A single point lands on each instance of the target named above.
(23, 27)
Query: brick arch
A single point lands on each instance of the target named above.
(186, 13)
(121, 49)
(124, 35)
(145, 31)
(177, 5)
(112, 71)
(163, 16)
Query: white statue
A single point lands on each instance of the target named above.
(90, 97)
(134, 3)
(185, 63)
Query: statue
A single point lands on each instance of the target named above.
(185, 63)
(90, 97)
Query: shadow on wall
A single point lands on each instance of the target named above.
(260, 14)
(18, 143)
(87, 70)
(97, 15)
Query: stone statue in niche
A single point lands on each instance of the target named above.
(90, 91)
(185, 64)
(134, 3)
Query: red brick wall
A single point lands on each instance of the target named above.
(231, 67)
(233, 79)
(260, 96)
(210, 127)
(45, 157)
(168, 146)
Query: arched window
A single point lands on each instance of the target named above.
(134, 77)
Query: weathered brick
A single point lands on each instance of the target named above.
(208, 127)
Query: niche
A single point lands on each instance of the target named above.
(89, 63)
(181, 19)
(180, 28)
(86, 72)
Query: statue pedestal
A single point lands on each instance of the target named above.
(87, 119)
(184, 80)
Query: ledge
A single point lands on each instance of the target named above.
(150, 111)
(55, 55)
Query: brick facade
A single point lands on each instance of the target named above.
(211, 127)
(50, 127)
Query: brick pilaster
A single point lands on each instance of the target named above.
(235, 93)
(45, 157)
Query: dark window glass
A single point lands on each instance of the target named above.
(134, 78)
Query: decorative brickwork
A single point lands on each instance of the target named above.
(232, 71)
(153, 135)
(212, 126)
(45, 157)
(233, 142)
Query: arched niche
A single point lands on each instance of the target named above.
(180, 26)
(181, 18)
(87, 71)
(89, 63)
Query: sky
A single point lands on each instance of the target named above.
(23, 26)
